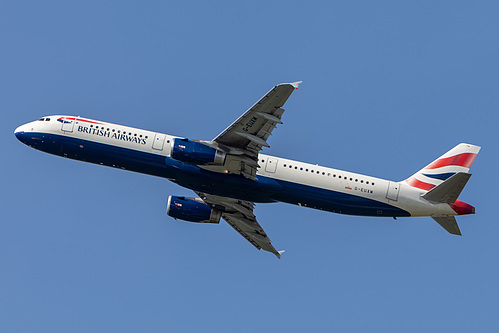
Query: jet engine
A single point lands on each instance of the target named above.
(194, 152)
(191, 209)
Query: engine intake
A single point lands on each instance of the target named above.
(192, 210)
(194, 152)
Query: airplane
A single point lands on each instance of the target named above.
(229, 174)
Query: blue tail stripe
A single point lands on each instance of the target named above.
(441, 176)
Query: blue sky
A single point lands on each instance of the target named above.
(388, 87)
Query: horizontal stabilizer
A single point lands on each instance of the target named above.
(449, 190)
(449, 223)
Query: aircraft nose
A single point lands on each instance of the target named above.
(19, 133)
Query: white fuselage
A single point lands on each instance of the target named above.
(79, 139)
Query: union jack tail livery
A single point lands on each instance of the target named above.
(458, 159)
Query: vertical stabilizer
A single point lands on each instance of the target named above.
(457, 160)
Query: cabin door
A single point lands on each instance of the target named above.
(67, 124)
(393, 191)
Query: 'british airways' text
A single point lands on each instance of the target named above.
(112, 135)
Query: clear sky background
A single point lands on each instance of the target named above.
(388, 87)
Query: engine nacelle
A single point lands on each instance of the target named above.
(190, 209)
(194, 152)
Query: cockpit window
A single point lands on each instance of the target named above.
(41, 119)
(47, 119)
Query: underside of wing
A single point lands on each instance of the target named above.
(239, 215)
(244, 138)
(251, 130)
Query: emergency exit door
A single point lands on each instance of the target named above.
(271, 165)
(159, 140)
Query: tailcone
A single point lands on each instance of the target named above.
(462, 208)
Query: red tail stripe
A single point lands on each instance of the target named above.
(419, 184)
(464, 160)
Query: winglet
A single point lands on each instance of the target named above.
(296, 84)
(278, 254)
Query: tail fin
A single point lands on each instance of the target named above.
(457, 160)
(444, 179)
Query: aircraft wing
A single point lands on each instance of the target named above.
(239, 215)
(246, 136)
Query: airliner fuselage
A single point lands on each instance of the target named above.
(278, 179)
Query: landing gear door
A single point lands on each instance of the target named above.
(159, 141)
(393, 191)
(67, 124)
(271, 165)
